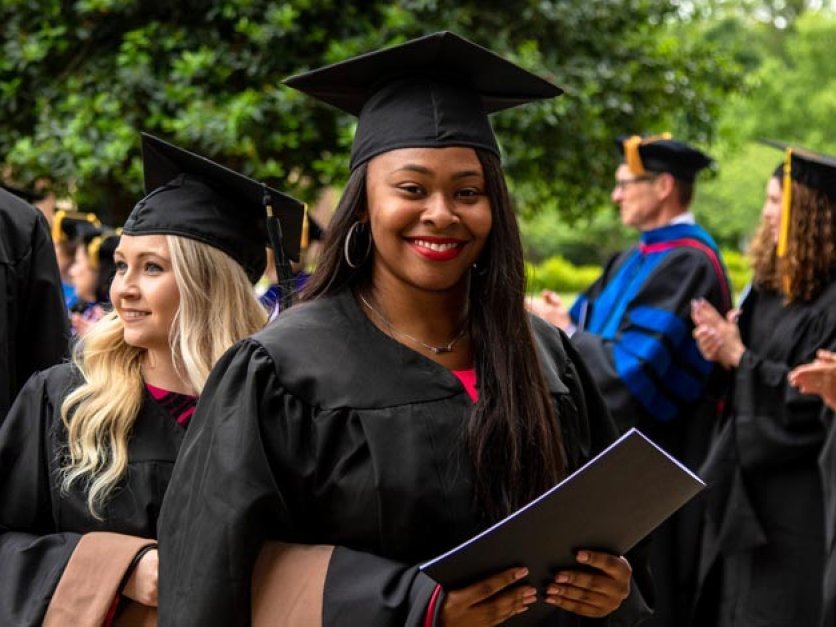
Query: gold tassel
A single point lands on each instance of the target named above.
(631, 155)
(57, 231)
(786, 203)
(784, 230)
(631, 151)
(93, 251)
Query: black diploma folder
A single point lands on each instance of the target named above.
(609, 504)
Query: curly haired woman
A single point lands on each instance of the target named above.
(763, 541)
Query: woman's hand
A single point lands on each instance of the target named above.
(718, 338)
(817, 377)
(549, 306)
(488, 602)
(592, 594)
(142, 584)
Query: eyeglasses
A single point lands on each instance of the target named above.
(621, 184)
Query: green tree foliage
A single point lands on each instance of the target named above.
(790, 95)
(79, 79)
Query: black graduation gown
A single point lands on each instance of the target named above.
(761, 562)
(638, 347)
(40, 527)
(827, 468)
(34, 328)
(323, 430)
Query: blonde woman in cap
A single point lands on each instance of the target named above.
(88, 448)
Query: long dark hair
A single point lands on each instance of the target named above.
(807, 267)
(513, 432)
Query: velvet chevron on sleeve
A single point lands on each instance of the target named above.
(635, 326)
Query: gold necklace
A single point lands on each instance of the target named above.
(436, 350)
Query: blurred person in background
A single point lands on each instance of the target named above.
(34, 333)
(764, 542)
(633, 329)
(91, 274)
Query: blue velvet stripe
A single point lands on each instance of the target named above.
(678, 231)
(659, 321)
(656, 354)
(630, 370)
(677, 333)
(577, 308)
(611, 306)
(647, 348)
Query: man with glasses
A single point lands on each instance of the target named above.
(633, 329)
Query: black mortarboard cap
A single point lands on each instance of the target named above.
(29, 195)
(193, 197)
(434, 91)
(73, 225)
(812, 169)
(661, 153)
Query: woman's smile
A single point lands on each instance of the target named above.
(437, 248)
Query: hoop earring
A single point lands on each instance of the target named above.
(356, 228)
(480, 272)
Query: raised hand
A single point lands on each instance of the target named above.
(549, 306)
(817, 377)
(718, 337)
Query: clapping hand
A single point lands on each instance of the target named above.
(817, 377)
(718, 338)
(549, 306)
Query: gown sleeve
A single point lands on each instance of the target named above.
(651, 361)
(49, 576)
(776, 423)
(43, 332)
(33, 554)
(225, 501)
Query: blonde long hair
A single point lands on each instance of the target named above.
(217, 308)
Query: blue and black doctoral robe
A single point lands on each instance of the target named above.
(635, 336)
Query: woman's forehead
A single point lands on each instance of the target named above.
(452, 160)
(143, 244)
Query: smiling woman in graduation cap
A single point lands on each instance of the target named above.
(764, 541)
(408, 402)
(88, 448)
